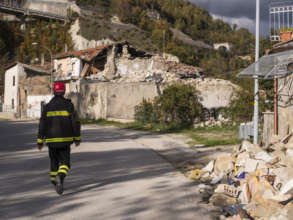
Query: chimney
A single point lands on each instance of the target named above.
(286, 35)
(42, 59)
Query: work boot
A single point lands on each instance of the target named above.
(59, 185)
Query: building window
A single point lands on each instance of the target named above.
(12, 103)
(13, 81)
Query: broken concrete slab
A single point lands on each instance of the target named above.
(222, 200)
(210, 167)
(262, 179)
(264, 156)
(228, 190)
(224, 164)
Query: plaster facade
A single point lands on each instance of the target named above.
(68, 67)
(11, 90)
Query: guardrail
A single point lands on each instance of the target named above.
(13, 7)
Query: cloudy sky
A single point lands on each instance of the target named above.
(240, 12)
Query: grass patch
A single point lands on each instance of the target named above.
(5, 119)
(213, 136)
(207, 136)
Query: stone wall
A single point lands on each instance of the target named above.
(215, 93)
(118, 100)
(111, 100)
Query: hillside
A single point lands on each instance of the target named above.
(172, 26)
(155, 26)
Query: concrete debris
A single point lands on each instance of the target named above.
(224, 164)
(222, 200)
(257, 179)
(228, 190)
(210, 167)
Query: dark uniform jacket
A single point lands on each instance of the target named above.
(59, 125)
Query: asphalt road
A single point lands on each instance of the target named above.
(112, 177)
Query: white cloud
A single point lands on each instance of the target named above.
(241, 22)
(238, 12)
(245, 22)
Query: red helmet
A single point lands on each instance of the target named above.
(59, 87)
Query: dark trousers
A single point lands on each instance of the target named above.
(59, 162)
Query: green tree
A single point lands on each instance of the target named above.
(179, 104)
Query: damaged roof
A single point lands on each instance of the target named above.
(87, 54)
(45, 69)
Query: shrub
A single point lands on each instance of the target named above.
(177, 106)
(144, 112)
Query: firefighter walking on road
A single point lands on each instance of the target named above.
(59, 128)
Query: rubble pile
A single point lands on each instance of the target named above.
(183, 71)
(252, 182)
(168, 72)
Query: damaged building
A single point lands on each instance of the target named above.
(110, 80)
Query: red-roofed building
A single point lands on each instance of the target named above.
(74, 65)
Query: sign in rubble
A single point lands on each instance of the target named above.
(252, 182)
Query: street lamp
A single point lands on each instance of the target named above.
(256, 98)
(51, 80)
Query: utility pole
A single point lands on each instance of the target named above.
(256, 93)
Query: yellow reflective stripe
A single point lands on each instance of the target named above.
(64, 167)
(53, 178)
(40, 141)
(53, 173)
(58, 113)
(76, 138)
(50, 140)
(62, 171)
